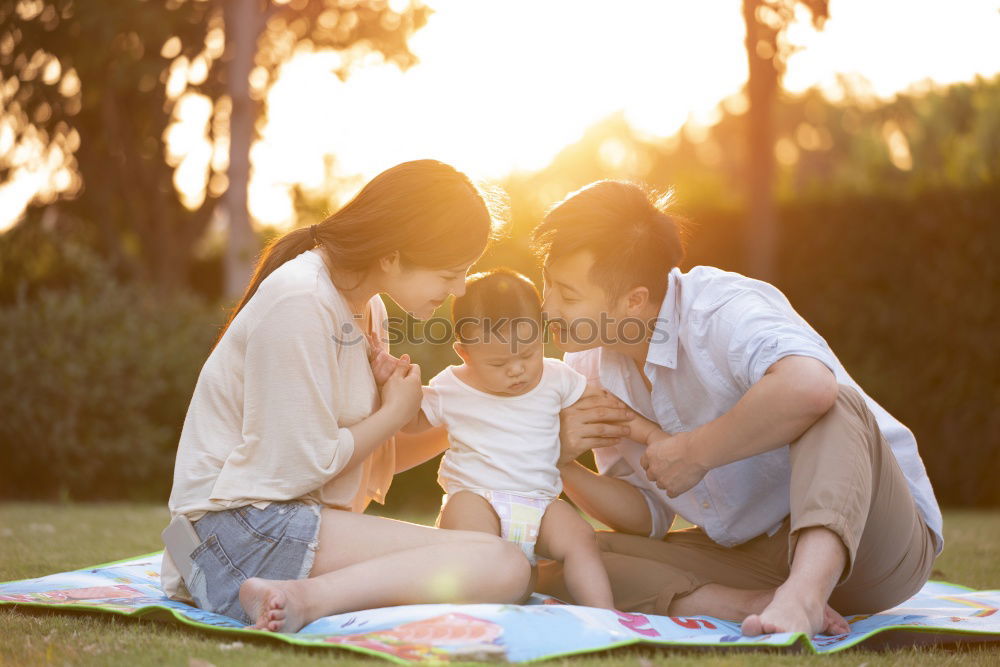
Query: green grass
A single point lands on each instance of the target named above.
(38, 539)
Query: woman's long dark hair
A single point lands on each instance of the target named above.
(428, 211)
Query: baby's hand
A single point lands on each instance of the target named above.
(641, 429)
(383, 363)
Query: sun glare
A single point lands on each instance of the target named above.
(504, 85)
(501, 86)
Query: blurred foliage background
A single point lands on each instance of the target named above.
(112, 288)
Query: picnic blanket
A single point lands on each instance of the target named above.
(541, 629)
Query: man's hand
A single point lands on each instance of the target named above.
(596, 420)
(669, 461)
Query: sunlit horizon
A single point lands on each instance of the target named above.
(495, 93)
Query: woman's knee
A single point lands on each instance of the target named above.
(508, 567)
(470, 536)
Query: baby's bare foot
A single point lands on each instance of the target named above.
(271, 605)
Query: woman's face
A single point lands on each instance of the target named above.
(419, 291)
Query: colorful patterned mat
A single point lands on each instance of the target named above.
(542, 629)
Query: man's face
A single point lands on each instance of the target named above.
(578, 312)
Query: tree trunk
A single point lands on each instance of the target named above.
(760, 231)
(243, 21)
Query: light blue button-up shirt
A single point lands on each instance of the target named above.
(716, 335)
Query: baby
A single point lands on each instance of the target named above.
(501, 409)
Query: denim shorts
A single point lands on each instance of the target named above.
(277, 542)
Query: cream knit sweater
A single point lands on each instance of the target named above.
(269, 415)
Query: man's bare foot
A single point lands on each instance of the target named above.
(833, 623)
(788, 612)
(271, 605)
(732, 604)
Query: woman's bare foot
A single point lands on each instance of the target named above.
(788, 612)
(271, 605)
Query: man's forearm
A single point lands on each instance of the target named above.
(614, 502)
(790, 398)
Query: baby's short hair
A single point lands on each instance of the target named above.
(492, 301)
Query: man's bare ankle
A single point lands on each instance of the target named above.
(758, 602)
(803, 594)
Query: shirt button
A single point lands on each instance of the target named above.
(705, 505)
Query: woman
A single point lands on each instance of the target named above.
(288, 436)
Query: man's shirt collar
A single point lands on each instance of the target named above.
(663, 343)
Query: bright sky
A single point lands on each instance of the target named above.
(505, 84)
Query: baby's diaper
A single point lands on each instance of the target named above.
(520, 517)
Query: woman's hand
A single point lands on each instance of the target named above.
(402, 392)
(383, 363)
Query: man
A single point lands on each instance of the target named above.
(802, 489)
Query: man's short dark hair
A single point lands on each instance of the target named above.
(628, 230)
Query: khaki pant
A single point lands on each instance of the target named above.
(844, 478)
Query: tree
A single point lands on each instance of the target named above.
(260, 36)
(96, 94)
(768, 50)
(84, 89)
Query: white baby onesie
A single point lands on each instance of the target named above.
(504, 448)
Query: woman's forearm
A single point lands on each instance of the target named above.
(614, 502)
(371, 432)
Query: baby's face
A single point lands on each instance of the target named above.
(508, 364)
